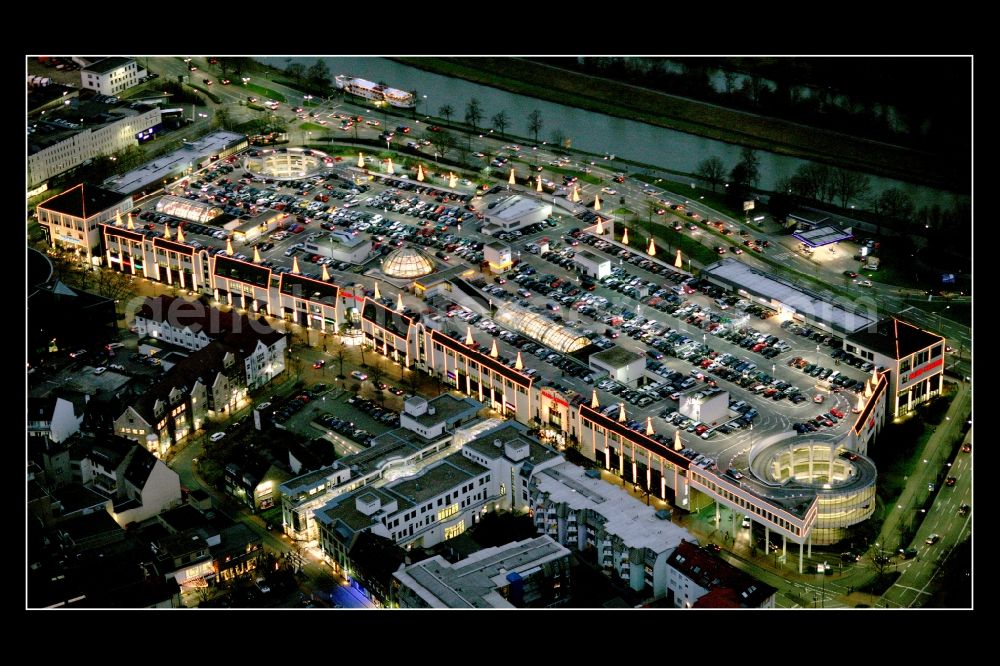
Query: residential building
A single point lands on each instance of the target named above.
(239, 551)
(534, 573)
(110, 76)
(52, 304)
(139, 485)
(373, 560)
(55, 417)
(184, 557)
(206, 383)
(72, 219)
(254, 482)
(235, 354)
(697, 578)
(586, 514)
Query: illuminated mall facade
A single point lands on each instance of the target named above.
(910, 360)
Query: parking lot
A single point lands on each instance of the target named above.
(644, 305)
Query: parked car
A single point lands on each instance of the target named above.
(216, 436)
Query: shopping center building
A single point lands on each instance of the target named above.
(913, 357)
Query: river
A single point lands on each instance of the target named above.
(588, 130)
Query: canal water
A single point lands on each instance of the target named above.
(588, 130)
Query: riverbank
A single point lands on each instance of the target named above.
(777, 136)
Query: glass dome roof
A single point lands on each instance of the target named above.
(407, 263)
(541, 328)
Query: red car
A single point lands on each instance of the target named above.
(319, 364)
(836, 412)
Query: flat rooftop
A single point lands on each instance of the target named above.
(616, 357)
(343, 508)
(896, 338)
(822, 235)
(84, 201)
(515, 208)
(450, 472)
(392, 445)
(473, 582)
(627, 517)
(83, 380)
(310, 480)
(486, 444)
(591, 257)
(446, 408)
(803, 301)
(106, 65)
(174, 162)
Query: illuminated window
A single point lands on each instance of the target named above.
(447, 512)
(454, 530)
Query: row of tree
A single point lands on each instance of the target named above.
(888, 110)
(500, 120)
(812, 181)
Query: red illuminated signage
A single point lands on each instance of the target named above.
(554, 399)
(919, 371)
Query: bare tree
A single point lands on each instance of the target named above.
(711, 169)
(340, 354)
(223, 118)
(446, 111)
(850, 185)
(751, 165)
(296, 70)
(812, 181)
(500, 122)
(894, 204)
(412, 381)
(535, 123)
(376, 374)
(442, 141)
(473, 113)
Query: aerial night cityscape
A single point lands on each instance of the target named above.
(553, 332)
